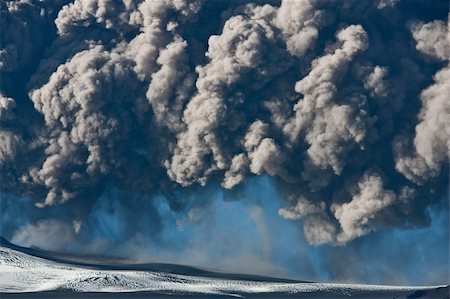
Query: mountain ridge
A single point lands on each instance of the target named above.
(154, 266)
(36, 273)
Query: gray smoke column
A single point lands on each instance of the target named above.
(346, 105)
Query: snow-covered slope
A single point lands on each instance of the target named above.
(22, 272)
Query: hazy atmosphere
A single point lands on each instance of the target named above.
(297, 138)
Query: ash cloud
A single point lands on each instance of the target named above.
(344, 105)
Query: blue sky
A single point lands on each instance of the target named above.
(245, 233)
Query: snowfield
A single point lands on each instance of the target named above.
(23, 274)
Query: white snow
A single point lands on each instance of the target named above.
(20, 272)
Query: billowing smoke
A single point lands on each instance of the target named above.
(344, 104)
